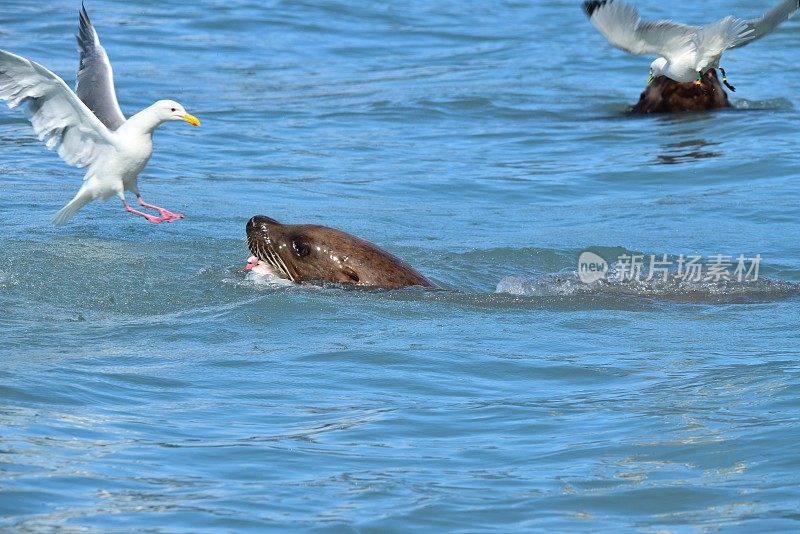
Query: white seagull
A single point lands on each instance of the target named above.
(687, 52)
(113, 150)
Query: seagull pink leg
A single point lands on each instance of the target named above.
(166, 215)
(150, 218)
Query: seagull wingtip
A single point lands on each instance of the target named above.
(83, 16)
(590, 6)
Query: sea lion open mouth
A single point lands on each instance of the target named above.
(260, 244)
(307, 252)
(257, 266)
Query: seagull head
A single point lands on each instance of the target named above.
(169, 110)
(656, 69)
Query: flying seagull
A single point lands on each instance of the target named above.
(88, 128)
(687, 52)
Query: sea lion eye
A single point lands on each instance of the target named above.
(301, 249)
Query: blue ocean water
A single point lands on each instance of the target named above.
(147, 383)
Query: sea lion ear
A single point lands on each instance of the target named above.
(349, 275)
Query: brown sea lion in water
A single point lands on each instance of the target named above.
(664, 95)
(308, 253)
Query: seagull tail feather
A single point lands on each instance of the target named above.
(66, 213)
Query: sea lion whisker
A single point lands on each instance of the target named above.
(264, 253)
(282, 265)
(271, 259)
(261, 254)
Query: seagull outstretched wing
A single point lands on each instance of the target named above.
(58, 116)
(95, 81)
(621, 24)
(770, 20)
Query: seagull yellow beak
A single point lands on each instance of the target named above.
(191, 119)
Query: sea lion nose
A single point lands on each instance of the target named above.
(251, 224)
(258, 220)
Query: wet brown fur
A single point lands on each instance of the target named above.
(664, 95)
(307, 252)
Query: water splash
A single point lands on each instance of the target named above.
(673, 288)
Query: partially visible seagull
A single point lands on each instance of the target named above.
(687, 52)
(113, 150)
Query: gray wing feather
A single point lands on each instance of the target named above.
(767, 23)
(58, 117)
(621, 25)
(95, 81)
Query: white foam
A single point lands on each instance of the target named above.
(264, 276)
(673, 288)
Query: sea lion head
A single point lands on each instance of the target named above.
(308, 252)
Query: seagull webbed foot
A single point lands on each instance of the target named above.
(725, 80)
(149, 218)
(166, 215)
